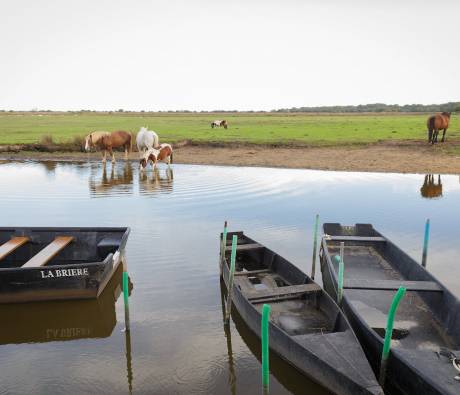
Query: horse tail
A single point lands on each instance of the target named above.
(156, 140)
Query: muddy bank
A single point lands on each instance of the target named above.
(401, 157)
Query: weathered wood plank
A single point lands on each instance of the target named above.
(11, 245)
(353, 238)
(253, 272)
(245, 247)
(282, 291)
(49, 252)
(392, 285)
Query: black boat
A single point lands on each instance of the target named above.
(307, 328)
(40, 264)
(41, 322)
(426, 336)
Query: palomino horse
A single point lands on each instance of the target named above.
(436, 122)
(430, 189)
(146, 139)
(219, 123)
(106, 141)
(163, 154)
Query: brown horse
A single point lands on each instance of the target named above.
(430, 189)
(436, 122)
(106, 141)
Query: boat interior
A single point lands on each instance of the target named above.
(298, 305)
(374, 268)
(35, 247)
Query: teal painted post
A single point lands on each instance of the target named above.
(425, 242)
(125, 298)
(231, 275)
(265, 347)
(315, 244)
(389, 332)
(340, 279)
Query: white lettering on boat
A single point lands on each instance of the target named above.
(64, 273)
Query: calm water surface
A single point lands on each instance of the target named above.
(177, 342)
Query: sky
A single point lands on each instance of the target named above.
(231, 55)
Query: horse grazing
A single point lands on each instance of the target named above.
(146, 139)
(106, 141)
(219, 123)
(163, 154)
(436, 122)
(430, 189)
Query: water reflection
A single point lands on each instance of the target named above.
(430, 188)
(151, 182)
(118, 180)
(42, 322)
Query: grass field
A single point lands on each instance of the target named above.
(323, 129)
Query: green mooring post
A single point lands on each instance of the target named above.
(425, 242)
(388, 333)
(340, 279)
(231, 275)
(125, 298)
(315, 244)
(223, 246)
(265, 347)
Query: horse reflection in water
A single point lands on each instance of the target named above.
(431, 189)
(118, 181)
(153, 182)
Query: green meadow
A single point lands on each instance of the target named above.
(260, 128)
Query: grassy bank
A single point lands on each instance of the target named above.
(317, 129)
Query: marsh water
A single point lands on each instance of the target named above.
(177, 342)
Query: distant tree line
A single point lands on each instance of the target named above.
(378, 107)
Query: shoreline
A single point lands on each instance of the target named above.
(387, 157)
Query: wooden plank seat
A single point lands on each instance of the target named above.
(11, 245)
(253, 272)
(49, 252)
(392, 285)
(245, 247)
(354, 238)
(290, 290)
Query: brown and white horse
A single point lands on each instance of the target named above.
(219, 123)
(106, 141)
(436, 122)
(163, 154)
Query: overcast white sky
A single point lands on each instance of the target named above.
(233, 54)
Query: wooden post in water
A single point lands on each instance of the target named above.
(223, 246)
(231, 276)
(125, 298)
(315, 243)
(340, 278)
(425, 242)
(265, 347)
(388, 334)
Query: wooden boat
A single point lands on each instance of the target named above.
(426, 335)
(42, 322)
(306, 328)
(39, 264)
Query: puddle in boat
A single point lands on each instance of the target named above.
(177, 342)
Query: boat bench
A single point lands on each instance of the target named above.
(49, 252)
(392, 285)
(245, 247)
(11, 245)
(281, 292)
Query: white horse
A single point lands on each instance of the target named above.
(146, 139)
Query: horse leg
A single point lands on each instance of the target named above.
(444, 135)
(435, 136)
(430, 135)
(112, 154)
(104, 156)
